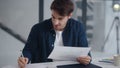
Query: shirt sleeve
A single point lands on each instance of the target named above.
(31, 43)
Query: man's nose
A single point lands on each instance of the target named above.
(56, 22)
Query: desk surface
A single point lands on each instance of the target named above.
(95, 56)
(54, 64)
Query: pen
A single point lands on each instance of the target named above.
(106, 61)
(21, 54)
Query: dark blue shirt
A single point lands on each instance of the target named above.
(42, 36)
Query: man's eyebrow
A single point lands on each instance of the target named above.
(58, 18)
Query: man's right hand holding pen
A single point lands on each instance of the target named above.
(22, 61)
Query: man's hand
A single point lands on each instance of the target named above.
(22, 61)
(84, 60)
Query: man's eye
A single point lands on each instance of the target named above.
(53, 17)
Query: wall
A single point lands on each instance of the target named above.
(111, 44)
(47, 11)
(19, 15)
(9, 49)
(99, 26)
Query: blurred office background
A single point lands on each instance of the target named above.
(18, 16)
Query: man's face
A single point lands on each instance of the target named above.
(59, 22)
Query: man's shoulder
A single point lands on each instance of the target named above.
(44, 25)
(75, 23)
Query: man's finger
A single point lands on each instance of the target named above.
(22, 60)
(26, 60)
(21, 64)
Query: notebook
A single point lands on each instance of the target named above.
(78, 66)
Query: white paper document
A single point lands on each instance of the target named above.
(68, 53)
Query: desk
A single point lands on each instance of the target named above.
(54, 64)
(95, 55)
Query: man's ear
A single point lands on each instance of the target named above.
(70, 15)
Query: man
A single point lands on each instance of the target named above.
(60, 30)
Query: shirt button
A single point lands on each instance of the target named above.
(54, 35)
